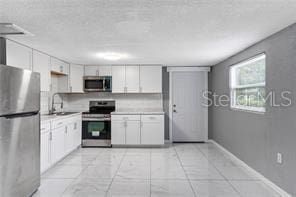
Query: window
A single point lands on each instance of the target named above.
(247, 84)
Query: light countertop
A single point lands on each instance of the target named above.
(46, 118)
(129, 111)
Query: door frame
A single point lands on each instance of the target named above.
(171, 70)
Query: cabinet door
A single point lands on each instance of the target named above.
(69, 138)
(152, 129)
(18, 55)
(105, 70)
(45, 151)
(91, 71)
(76, 78)
(77, 132)
(150, 79)
(118, 132)
(41, 64)
(133, 135)
(132, 79)
(118, 79)
(57, 144)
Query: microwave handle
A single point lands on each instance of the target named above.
(104, 87)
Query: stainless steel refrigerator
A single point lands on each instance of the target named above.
(19, 132)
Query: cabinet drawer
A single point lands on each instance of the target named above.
(152, 118)
(125, 117)
(45, 127)
(58, 123)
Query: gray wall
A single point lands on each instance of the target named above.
(256, 138)
(166, 100)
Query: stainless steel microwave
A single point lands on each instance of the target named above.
(97, 83)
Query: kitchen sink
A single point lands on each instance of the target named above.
(65, 113)
(61, 114)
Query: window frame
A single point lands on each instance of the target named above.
(233, 87)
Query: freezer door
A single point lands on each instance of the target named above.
(19, 155)
(19, 90)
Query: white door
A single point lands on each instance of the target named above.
(132, 79)
(132, 132)
(150, 79)
(41, 64)
(118, 79)
(57, 144)
(118, 132)
(152, 130)
(76, 78)
(45, 151)
(189, 116)
(18, 55)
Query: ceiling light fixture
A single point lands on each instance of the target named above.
(112, 56)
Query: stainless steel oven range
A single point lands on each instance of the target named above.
(96, 124)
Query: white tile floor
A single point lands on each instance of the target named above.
(176, 170)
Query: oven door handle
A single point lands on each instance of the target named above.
(96, 119)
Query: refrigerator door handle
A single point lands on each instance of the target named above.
(20, 115)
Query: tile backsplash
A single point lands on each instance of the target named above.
(80, 102)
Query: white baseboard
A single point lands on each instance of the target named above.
(282, 192)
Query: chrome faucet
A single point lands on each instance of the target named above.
(53, 109)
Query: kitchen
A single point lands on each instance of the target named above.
(122, 109)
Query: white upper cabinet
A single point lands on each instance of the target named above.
(18, 55)
(98, 71)
(76, 78)
(118, 79)
(150, 79)
(136, 79)
(59, 66)
(41, 64)
(132, 79)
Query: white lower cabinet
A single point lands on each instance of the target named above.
(137, 129)
(118, 132)
(57, 144)
(45, 139)
(58, 139)
(132, 132)
(151, 128)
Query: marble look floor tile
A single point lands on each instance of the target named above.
(254, 189)
(113, 159)
(87, 187)
(202, 173)
(235, 173)
(64, 172)
(100, 171)
(213, 188)
(129, 160)
(89, 151)
(78, 159)
(167, 172)
(133, 172)
(52, 187)
(136, 188)
(194, 160)
(171, 188)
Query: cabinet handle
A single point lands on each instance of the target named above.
(50, 136)
(66, 130)
(71, 88)
(97, 73)
(140, 89)
(141, 124)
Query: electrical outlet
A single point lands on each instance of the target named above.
(279, 158)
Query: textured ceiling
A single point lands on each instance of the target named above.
(170, 32)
